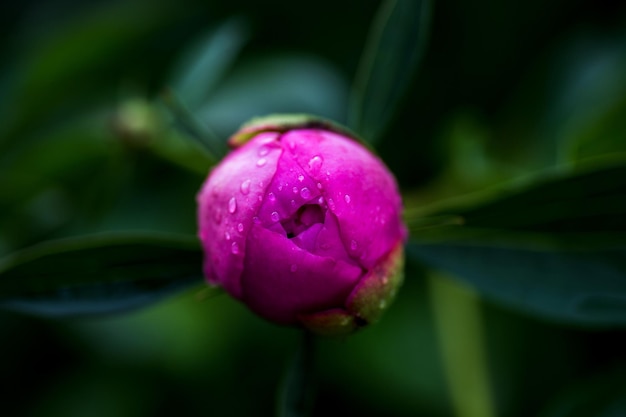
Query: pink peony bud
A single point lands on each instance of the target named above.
(303, 224)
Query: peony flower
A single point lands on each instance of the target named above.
(302, 223)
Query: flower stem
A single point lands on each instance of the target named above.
(461, 336)
(296, 393)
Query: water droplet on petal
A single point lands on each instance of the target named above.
(331, 204)
(347, 198)
(234, 248)
(315, 164)
(353, 245)
(293, 268)
(240, 227)
(232, 205)
(295, 190)
(263, 150)
(274, 216)
(300, 177)
(293, 203)
(305, 193)
(319, 185)
(292, 145)
(227, 235)
(271, 197)
(280, 187)
(256, 220)
(320, 200)
(261, 162)
(245, 187)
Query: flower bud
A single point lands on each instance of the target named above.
(303, 224)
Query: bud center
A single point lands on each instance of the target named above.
(302, 220)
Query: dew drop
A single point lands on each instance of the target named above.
(347, 198)
(227, 235)
(315, 164)
(263, 150)
(245, 187)
(240, 227)
(331, 204)
(274, 216)
(260, 198)
(232, 205)
(293, 203)
(271, 197)
(256, 220)
(320, 200)
(295, 190)
(353, 245)
(280, 187)
(305, 193)
(261, 162)
(234, 248)
(293, 268)
(319, 185)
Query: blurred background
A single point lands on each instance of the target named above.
(86, 145)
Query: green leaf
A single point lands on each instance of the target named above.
(296, 392)
(556, 248)
(98, 274)
(189, 124)
(205, 63)
(293, 83)
(389, 61)
(600, 396)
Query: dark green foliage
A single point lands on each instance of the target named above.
(504, 123)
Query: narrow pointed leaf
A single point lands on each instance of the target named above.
(206, 62)
(194, 129)
(99, 274)
(556, 248)
(390, 59)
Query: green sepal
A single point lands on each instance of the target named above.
(283, 123)
(377, 290)
(332, 323)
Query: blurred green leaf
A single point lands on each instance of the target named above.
(204, 64)
(555, 247)
(296, 392)
(72, 64)
(99, 274)
(396, 43)
(195, 129)
(601, 396)
(276, 84)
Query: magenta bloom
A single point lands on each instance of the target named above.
(303, 224)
